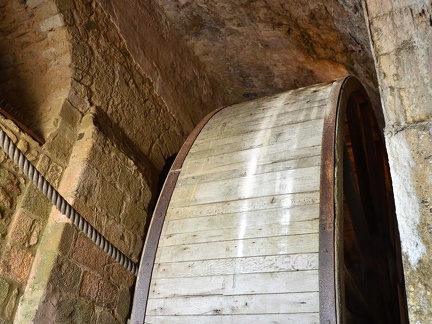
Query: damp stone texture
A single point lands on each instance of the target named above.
(401, 37)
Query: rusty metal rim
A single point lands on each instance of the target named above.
(142, 286)
(330, 251)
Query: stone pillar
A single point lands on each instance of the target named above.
(401, 38)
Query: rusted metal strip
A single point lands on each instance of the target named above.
(331, 288)
(23, 127)
(327, 280)
(152, 241)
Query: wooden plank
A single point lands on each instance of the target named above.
(284, 217)
(236, 284)
(270, 204)
(304, 318)
(361, 167)
(305, 243)
(259, 304)
(242, 232)
(264, 108)
(241, 170)
(302, 132)
(355, 301)
(356, 211)
(270, 263)
(219, 129)
(278, 183)
(247, 159)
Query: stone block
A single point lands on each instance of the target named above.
(74, 310)
(110, 198)
(88, 254)
(4, 290)
(21, 227)
(43, 164)
(5, 199)
(134, 218)
(129, 183)
(54, 174)
(124, 303)
(34, 3)
(12, 303)
(107, 294)
(23, 146)
(15, 263)
(51, 23)
(89, 186)
(70, 114)
(89, 286)
(120, 276)
(115, 233)
(35, 202)
(107, 318)
(59, 147)
(65, 275)
(67, 238)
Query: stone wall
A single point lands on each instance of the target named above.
(34, 62)
(83, 283)
(401, 35)
(23, 217)
(106, 164)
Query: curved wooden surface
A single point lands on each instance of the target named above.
(248, 225)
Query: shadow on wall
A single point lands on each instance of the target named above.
(34, 62)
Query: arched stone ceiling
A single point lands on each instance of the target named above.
(256, 47)
(226, 51)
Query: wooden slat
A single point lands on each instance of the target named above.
(270, 204)
(297, 216)
(355, 301)
(355, 207)
(302, 132)
(242, 232)
(216, 267)
(286, 182)
(235, 126)
(237, 284)
(241, 170)
(361, 167)
(300, 244)
(304, 318)
(252, 158)
(230, 305)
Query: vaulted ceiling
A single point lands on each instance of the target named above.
(235, 50)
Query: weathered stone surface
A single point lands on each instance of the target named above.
(107, 294)
(108, 318)
(87, 253)
(15, 263)
(71, 310)
(134, 218)
(66, 276)
(89, 286)
(22, 228)
(4, 290)
(11, 305)
(401, 35)
(119, 275)
(123, 306)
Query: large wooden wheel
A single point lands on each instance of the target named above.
(277, 210)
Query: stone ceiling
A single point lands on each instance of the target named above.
(254, 48)
(203, 54)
